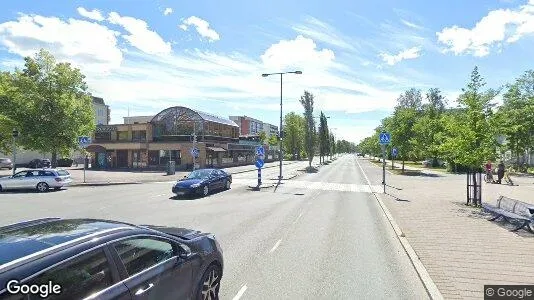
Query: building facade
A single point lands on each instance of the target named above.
(248, 125)
(170, 136)
(137, 119)
(102, 113)
(270, 129)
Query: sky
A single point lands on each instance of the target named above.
(356, 56)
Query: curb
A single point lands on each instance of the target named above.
(422, 272)
(102, 184)
(263, 186)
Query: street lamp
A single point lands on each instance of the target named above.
(280, 131)
(15, 135)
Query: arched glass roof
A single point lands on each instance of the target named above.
(187, 114)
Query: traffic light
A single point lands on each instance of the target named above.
(15, 133)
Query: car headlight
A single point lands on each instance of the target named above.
(195, 185)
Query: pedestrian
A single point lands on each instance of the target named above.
(488, 171)
(500, 172)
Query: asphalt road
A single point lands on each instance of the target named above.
(317, 236)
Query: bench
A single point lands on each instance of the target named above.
(511, 209)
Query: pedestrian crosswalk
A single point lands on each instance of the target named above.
(325, 186)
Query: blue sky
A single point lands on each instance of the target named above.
(356, 56)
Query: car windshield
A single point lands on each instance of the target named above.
(199, 174)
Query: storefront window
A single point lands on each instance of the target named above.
(103, 136)
(122, 135)
(139, 135)
(161, 157)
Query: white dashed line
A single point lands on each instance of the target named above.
(275, 246)
(298, 218)
(240, 293)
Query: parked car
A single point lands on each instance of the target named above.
(39, 163)
(202, 182)
(102, 259)
(41, 180)
(428, 163)
(6, 163)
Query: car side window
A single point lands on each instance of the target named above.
(140, 254)
(20, 174)
(80, 277)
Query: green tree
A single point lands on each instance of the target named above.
(273, 140)
(263, 137)
(294, 128)
(469, 138)
(515, 118)
(50, 104)
(307, 101)
(324, 137)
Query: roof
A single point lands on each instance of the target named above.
(98, 100)
(23, 239)
(214, 118)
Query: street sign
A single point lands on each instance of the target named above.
(195, 152)
(259, 163)
(385, 138)
(84, 141)
(394, 152)
(260, 151)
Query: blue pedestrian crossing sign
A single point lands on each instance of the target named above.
(384, 138)
(260, 151)
(84, 141)
(259, 163)
(394, 152)
(195, 152)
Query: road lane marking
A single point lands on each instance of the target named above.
(297, 218)
(275, 246)
(240, 293)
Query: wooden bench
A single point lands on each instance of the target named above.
(512, 211)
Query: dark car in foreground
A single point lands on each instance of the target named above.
(101, 259)
(202, 182)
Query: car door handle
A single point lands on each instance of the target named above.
(142, 291)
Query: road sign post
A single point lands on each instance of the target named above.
(394, 153)
(384, 139)
(84, 142)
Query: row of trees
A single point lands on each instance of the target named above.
(473, 131)
(47, 103)
(303, 139)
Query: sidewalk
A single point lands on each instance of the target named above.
(461, 250)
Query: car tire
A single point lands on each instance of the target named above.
(42, 187)
(227, 185)
(1, 189)
(57, 188)
(210, 283)
(205, 191)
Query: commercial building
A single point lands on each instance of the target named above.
(270, 129)
(170, 136)
(102, 113)
(137, 119)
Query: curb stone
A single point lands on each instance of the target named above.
(422, 272)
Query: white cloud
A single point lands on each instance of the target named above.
(140, 36)
(498, 27)
(298, 53)
(91, 46)
(411, 25)
(202, 27)
(406, 54)
(91, 14)
(323, 32)
(167, 11)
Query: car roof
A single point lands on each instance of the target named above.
(21, 240)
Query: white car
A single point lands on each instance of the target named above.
(39, 179)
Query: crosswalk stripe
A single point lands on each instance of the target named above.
(325, 186)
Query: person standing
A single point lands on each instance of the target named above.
(500, 172)
(489, 175)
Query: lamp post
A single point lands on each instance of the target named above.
(15, 135)
(280, 136)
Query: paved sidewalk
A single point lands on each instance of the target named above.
(461, 250)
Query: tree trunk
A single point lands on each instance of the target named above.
(53, 163)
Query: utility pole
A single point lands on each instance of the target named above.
(15, 135)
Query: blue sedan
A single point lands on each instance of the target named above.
(202, 182)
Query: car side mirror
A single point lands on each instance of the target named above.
(185, 252)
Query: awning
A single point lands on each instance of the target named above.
(95, 148)
(216, 149)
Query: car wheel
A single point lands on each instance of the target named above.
(57, 188)
(210, 283)
(205, 191)
(42, 187)
(227, 185)
(0, 188)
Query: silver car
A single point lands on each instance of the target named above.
(40, 179)
(6, 163)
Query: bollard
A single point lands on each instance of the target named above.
(259, 177)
